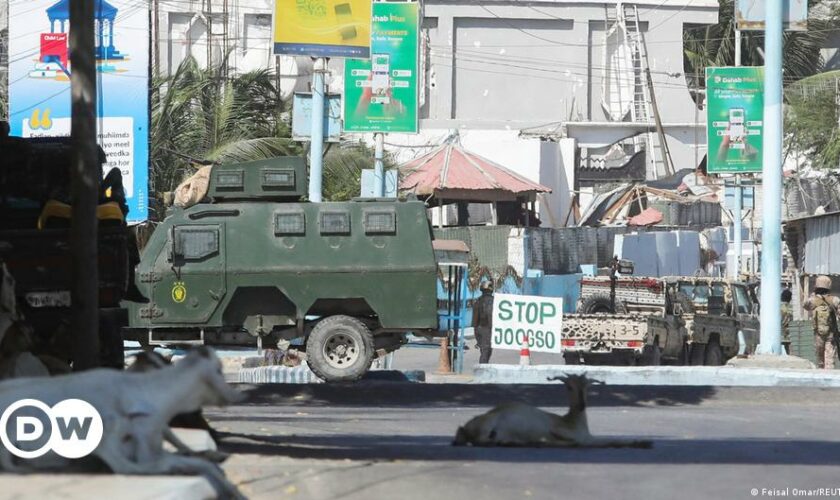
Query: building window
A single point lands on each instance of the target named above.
(335, 222)
(289, 223)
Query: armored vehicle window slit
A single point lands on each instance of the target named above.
(335, 222)
(231, 180)
(278, 179)
(289, 224)
(196, 243)
(380, 222)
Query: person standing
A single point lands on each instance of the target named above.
(787, 317)
(824, 307)
(483, 321)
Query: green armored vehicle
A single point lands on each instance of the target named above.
(252, 264)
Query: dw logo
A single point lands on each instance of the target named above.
(72, 428)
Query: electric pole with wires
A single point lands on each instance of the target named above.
(86, 175)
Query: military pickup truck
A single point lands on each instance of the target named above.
(681, 320)
(251, 263)
(720, 322)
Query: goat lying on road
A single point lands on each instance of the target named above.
(136, 409)
(518, 424)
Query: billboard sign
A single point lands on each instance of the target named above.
(321, 28)
(750, 15)
(39, 83)
(380, 93)
(517, 317)
(735, 119)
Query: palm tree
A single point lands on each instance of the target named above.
(714, 45)
(199, 116)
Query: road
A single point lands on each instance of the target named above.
(391, 440)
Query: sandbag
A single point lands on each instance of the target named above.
(194, 189)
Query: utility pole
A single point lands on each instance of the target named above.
(771, 244)
(156, 37)
(737, 228)
(86, 173)
(316, 144)
(378, 165)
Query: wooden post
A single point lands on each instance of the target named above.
(86, 174)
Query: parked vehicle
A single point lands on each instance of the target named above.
(251, 263)
(680, 320)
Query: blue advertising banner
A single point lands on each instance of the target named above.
(39, 83)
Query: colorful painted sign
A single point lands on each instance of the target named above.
(517, 317)
(322, 28)
(380, 93)
(39, 83)
(735, 119)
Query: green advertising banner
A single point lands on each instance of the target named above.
(380, 93)
(734, 123)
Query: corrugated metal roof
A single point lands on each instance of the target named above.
(822, 244)
(450, 170)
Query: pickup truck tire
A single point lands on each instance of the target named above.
(600, 304)
(697, 354)
(340, 349)
(652, 355)
(714, 354)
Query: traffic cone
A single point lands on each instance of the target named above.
(444, 365)
(524, 352)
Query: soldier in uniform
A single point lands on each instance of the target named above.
(787, 317)
(824, 307)
(483, 321)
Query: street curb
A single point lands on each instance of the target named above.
(303, 375)
(279, 375)
(661, 375)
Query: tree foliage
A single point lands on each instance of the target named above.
(200, 115)
(714, 45)
(811, 119)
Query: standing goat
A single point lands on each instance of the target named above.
(519, 424)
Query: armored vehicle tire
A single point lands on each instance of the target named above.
(697, 355)
(600, 304)
(714, 355)
(652, 355)
(339, 349)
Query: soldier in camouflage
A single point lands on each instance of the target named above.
(787, 317)
(483, 321)
(824, 307)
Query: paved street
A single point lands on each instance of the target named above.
(391, 440)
